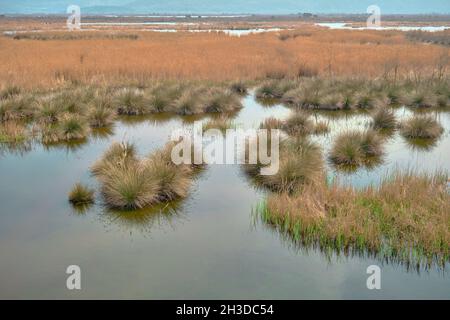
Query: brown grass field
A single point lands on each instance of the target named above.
(214, 56)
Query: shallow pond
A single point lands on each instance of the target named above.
(206, 246)
(343, 25)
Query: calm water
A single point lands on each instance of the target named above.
(207, 248)
(343, 25)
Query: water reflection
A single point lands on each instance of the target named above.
(145, 220)
(71, 146)
(305, 246)
(424, 145)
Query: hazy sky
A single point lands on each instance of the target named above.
(225, 6)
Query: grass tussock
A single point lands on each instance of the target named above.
(10, 92)
(101, 112)
(421, 127)
(129, 183)
(354, 148)
(406, 218)
(68, 129)
(239, 87)
(81, 195)
(300, 164)
(17, 107)
(384, 118)
(130, 101)
(298, 123)
(13, 132)
(274, 89)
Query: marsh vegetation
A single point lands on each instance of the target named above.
(339, 119)
(403, 219)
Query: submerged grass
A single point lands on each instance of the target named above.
(406, 218)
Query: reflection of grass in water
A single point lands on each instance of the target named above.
(267, 102)
(102, 133)
(15, 148)
(69, 146)
(421, 144)
(144, 220)
(81, 209)
(405, 219)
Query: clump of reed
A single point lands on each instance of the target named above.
(189, 103)
(406, 218)
(162, 96)
(300, 164)
(129, 183)
(70, 128)
(118, 154)
(72, 101)
(101, 113)
(421, 127)
(13, 132)
(298, 123)
(423, 98)
(355, 148)
(384, 118)
(17, 107)
(239, 87)
(81, 195)
(48, 112)
(366, 100)
(224, 101)
(10, 92)
(274, 89)
(130, 101)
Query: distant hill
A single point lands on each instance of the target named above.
(223, 6)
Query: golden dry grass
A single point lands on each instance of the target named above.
(213, 56)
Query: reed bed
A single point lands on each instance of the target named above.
(357, 94)
(439, 37)
(210, 56)
(404, 219)
(74, 112)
